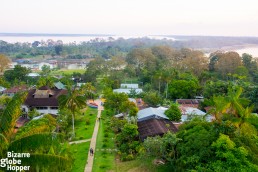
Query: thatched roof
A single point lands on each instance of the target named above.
(44, 96)
(153, 127)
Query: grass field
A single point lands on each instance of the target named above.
(67, 71)
(104, 159)
(83, 131)
(80, 153)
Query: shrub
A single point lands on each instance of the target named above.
(103, 166)
(104, 145)
(173, 113)
(87, 121)
(106, 135)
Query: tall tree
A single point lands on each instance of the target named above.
(73, 101)
(4, 62)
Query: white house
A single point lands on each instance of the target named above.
(44, 100)
(128, 88)
(190, 112)
(2, 89)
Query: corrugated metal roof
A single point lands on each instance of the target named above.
(129, 86)
(59, 85)
(127, 91)
(158, 113)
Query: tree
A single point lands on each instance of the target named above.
(173, 113)
(161, 147)
(4, 62)
(88, 90)
(46, 81)
(228, 63)
(35, 142)
(45, 70)
(182, 89)
(127, 140)
(152, 98)
(194, 150)
(19, 73)
(72, 101)
(229, 157)
(117, 102)
(194, 62)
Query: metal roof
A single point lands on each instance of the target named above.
(148, 113)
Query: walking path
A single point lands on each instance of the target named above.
(89, 164)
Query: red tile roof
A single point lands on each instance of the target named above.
(16, 89)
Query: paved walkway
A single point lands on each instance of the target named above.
(89, 164)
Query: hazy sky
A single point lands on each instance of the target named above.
(131, 17)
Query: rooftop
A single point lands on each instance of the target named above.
(151, 112)
(154, 127)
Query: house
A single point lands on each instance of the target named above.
(189, 112)
(133, 86)
(153, 121)
(128, 88)
(148, 113)
(155, 127)
(189, 102)
(33, 75)
(59, 85)
(2, 89)
(12, 91)
(44, 100)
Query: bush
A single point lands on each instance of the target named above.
(104, 145)
(103, 166)
(173, 113)
(106, 135)
(87, 121)
(125, 157)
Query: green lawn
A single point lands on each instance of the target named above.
(141, 165)
(67, 71)
(80, 155)
(104, 160)
(83, 131)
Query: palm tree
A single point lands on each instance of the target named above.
(231, 104)
(234, 103)
(72, 101)
(46, 151)
(88, 90)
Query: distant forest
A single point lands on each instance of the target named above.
(118, 47)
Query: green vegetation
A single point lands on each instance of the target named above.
(84, 130)
(228, 82)
(80, 156)
(66, 71)
(173, 113)
(45, 148)
(105, 153)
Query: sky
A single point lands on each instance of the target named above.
(131, 17)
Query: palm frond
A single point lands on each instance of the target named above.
(3, 145)
(10, 114)
(48, 162)
(34, 142)
(36, 130)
